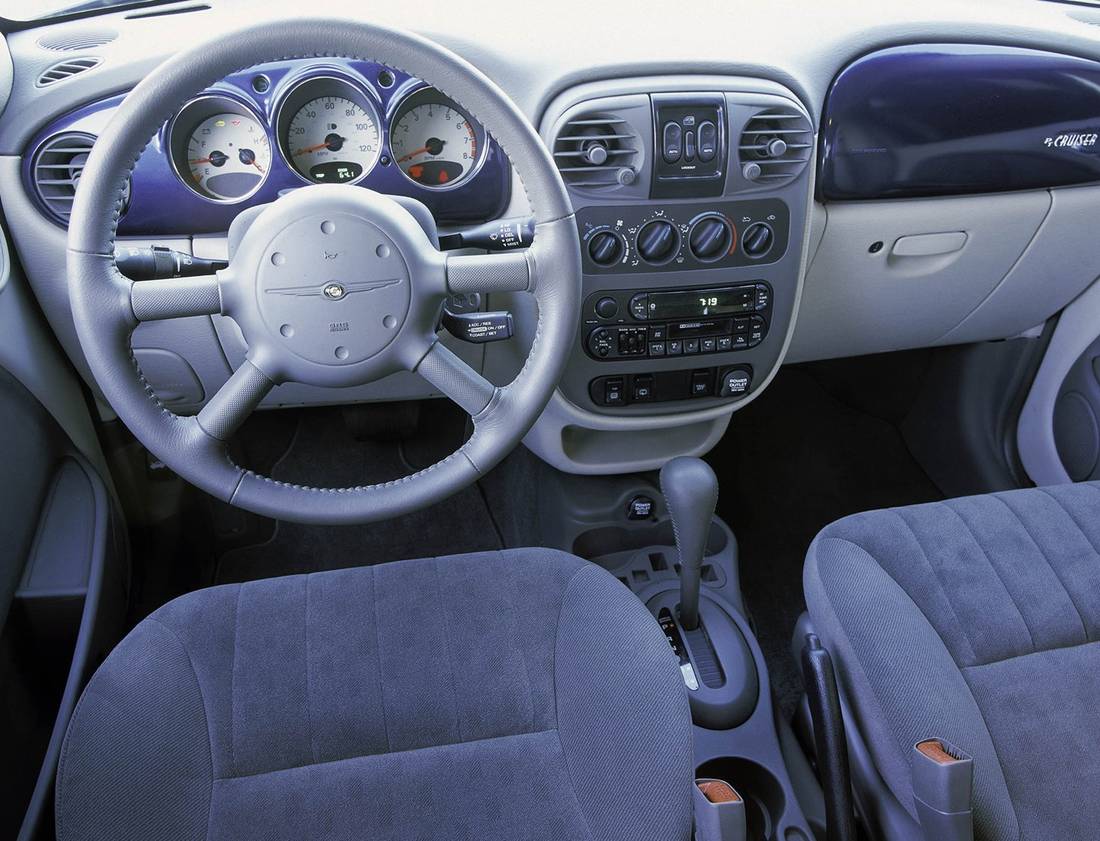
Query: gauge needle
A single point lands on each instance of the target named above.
(434, 146)
(332, 142)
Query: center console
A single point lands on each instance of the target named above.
(691, 197)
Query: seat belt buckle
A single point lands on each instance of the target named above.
(943, 778)
(719, 811)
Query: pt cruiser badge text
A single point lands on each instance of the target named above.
(1073, 140)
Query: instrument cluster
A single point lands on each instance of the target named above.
(329, 125)
(275, 127)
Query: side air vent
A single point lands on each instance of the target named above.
(57, 167)
(775, 146)
(70, 42)
(598, 151)
(66, 70)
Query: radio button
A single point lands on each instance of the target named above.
(763, 297)
(725, 343)
(656, 348)
(607, 308)
(708, 345)
(675, 347)
(757, 330)
(741, 325)
(639, 307)
(741, 341)
(657, 332)
(691, 346)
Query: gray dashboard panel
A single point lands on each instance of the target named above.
(536, 58)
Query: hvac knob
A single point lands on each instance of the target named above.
(757, 239)
(710, 238)
(605, 248)
(658, 241)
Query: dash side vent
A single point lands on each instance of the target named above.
(66, 70)
(598, 151)
(775, 146)
(69, 42)
(58, 165)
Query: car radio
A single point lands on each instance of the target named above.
(677, 322)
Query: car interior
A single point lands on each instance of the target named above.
(550, 423)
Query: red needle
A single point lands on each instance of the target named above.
(312, 148)
(413, 154)
(201, 161)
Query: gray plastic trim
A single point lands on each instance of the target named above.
(1078, 327)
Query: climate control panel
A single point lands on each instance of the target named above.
(679, 237)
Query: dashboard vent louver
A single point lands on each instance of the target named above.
(775, 146)
(69, 42)
(66, 70)
(57, 167)
(598, 152)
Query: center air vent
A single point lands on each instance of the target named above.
(84, 39)
(58, 165)
(66, 70)
(598, 151)
(775, 146)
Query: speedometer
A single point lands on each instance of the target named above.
(434, 142)
(333, 140)
(329, 131)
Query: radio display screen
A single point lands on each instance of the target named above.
(697, 303)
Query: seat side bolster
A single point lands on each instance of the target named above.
(623, 716)
(138, 742)
(898, 677)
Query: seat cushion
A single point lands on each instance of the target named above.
(508, 695)
(975, 620)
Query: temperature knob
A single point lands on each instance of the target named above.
(757, 239)
(605, 248)
(710, 238)
(658, 241)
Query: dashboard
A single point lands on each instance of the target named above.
(790, 182)
(269, 129)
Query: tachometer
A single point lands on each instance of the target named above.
(329, 130)
(434, 142)
(219, 149)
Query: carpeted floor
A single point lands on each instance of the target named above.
(322, 448)
(793, 461)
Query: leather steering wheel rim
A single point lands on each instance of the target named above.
(107, 307)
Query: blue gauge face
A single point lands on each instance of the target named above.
(228, 156)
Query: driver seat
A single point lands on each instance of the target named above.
(521, 694)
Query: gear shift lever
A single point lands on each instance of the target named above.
(690, 489)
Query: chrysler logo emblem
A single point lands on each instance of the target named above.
(334, 291)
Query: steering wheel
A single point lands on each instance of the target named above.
(369, 312)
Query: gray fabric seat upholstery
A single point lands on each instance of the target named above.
(975, 620)
(508, 695)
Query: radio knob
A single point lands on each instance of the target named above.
(658, 241)
(757, 239)
(605, 248)
(607, 308)
(710, 238)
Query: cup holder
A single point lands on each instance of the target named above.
(758, 787)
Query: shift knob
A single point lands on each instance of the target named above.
(690, 489)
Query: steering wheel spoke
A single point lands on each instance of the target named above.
(235, 401)
(451, 375)
(511, 271)
(180, 297)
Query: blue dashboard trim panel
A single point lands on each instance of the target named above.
(160, 204)
(952, 119)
